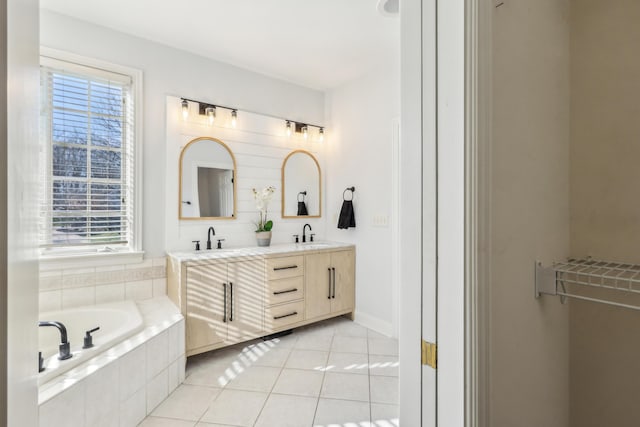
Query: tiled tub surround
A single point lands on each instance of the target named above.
(125, 383)
(67, 288)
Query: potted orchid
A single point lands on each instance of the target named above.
(264, 226)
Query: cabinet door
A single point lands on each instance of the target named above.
(246, 296)
(317, 285)
(344, 264)
(205, 318)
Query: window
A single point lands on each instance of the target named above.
(87, 159)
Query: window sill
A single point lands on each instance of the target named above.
(86, 260)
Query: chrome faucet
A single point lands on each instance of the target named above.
(304, 233)
(211, 230)
(65, 350)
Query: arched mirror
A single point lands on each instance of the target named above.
(207, 180)
(301, 186)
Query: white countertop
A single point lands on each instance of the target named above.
(256, 251)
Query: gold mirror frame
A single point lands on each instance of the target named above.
(319, 185)
(235, 182)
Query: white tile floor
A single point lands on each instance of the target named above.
(335, 373)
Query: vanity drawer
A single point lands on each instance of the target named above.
(279, 316)
(281, 268)
(284, 290)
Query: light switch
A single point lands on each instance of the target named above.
(381, 221)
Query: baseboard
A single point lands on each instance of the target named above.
(374, 323)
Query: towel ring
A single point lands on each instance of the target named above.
(352, 189)
(303, 193)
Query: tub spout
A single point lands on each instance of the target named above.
(64, 348)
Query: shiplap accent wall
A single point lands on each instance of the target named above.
(260, 145)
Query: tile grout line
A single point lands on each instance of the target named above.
(324, 374)
(210, 403)
(272, 387)
(216, 398)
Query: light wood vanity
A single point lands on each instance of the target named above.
(230, 296)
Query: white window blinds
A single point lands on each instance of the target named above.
(87, 157)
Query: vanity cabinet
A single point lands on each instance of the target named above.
(231, 298)
(330, 283)
(224, 303)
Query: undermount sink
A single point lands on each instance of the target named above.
(216, 251)
(315, 245)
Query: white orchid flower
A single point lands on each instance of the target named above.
(262, 199)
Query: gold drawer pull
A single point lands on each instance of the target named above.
(285, 315)
(285, 292)
(289, 267)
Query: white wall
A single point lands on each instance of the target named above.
(259, 145)
(529, 351)
(19, 198)
(361, 122)
(169, 71)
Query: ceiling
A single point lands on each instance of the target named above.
(319, 44)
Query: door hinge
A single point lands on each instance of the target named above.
(429, 353)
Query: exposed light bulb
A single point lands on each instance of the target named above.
(234, 118)
(305, 132)
(211, 114)
(321, 134)
(288, 128)
(185, 109)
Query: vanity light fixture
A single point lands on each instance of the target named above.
(185, 109)
(234, 118)
(211, 114)
(303, 129)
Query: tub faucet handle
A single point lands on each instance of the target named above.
(88, 339)
(64, 347)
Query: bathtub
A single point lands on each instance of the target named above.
(125, 376)
(117, 322)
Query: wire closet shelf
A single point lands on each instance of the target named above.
(614, 276)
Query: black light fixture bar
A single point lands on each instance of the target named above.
(298, 125)
(202, 108)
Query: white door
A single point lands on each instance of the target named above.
(429, 208)
(451, 125)
(418, 209)
(432, 264)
